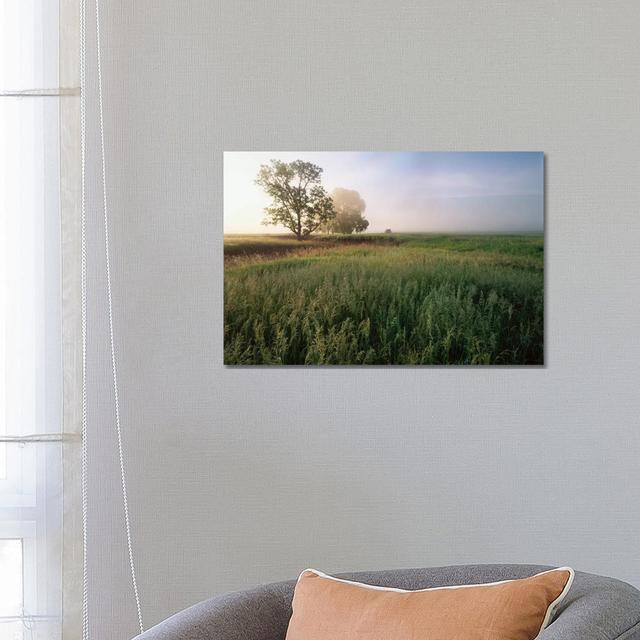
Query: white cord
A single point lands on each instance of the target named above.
(83, 304)
(105, 209)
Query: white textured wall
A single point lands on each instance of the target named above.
(239, 476)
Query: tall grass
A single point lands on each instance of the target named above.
(427, 300)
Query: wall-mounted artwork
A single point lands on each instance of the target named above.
(384, 258)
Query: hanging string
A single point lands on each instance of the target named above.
(114, 370)
(83, 313)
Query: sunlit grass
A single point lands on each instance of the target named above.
(402, 299)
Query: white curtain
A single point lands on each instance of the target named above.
(39, 334)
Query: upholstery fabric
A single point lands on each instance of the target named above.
(596, 608)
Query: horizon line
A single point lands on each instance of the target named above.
(365, 233)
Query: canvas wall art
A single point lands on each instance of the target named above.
(384, 258)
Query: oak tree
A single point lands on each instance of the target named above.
(299, 202)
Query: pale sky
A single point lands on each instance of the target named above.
(406, 191)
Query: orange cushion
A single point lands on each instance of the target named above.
(326, 608)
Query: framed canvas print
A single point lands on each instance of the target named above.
(384, 258)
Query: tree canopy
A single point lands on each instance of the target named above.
(349, 208)
(299, 201)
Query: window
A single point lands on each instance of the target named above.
(32, 430)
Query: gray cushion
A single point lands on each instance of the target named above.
(596, 608)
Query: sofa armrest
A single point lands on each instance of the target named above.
(597, 608)
(258, 614)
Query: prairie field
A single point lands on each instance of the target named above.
(380, 299)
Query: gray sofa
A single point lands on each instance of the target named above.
(596, 608)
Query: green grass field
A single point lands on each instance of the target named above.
(401, 299)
